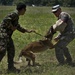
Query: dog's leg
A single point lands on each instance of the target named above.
(29, 61)
(30, 56)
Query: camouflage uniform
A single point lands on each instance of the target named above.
(66, 35)
(6, 42)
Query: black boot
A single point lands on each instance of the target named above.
(70, 63)
(13, 69)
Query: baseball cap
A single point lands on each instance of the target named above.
(55, 8)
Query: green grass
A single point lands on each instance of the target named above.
(39, 19)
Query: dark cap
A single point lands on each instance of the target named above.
(55, 8)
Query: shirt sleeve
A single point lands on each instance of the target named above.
(21, 29)
(59, 25)
(11, 20)
(64, 17)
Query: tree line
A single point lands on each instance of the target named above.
(68, 3)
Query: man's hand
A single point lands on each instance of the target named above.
(56, 39)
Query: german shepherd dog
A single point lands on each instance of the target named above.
(35, 47)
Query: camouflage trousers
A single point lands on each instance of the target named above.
(7, 46)
(61, 49)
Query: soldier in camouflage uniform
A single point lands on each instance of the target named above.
(7, 27)
(66, 29)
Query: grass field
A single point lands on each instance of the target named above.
(39, 19)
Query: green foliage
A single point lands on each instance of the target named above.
(6, 2)
(39, 19)
(69, 3)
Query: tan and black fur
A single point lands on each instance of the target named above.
(36, 47)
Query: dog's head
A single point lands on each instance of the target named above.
(49, 34)
(48, 42)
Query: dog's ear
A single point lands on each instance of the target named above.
(50, 33)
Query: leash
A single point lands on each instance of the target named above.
(38, 34)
